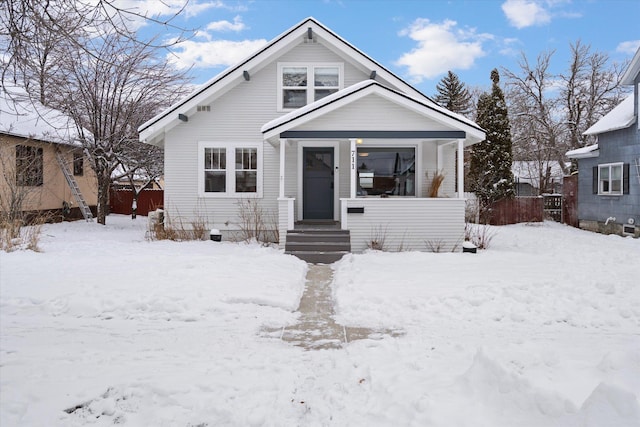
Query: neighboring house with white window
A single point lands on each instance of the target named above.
(609, 171)
(318, 133)
(34, 140)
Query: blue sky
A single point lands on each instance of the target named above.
(417, 40)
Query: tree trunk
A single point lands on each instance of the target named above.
(104, 182)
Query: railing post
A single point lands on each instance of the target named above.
(283, 144)
(352, 169)
(461, 168)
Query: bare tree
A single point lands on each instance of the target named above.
(590, 89)
(110, 92)
(549, 112)
(80, 57)
(31, 29)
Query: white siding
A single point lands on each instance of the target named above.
(236, 116)
(407, 223)
(372, 113)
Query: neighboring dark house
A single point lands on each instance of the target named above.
(609, 171)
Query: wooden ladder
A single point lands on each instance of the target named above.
(73, 185)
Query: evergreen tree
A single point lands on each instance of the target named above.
(453, 94)
(490, 171)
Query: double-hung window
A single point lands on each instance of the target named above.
(29, 166)
(610, 179)
(302, 84)
(229, 170)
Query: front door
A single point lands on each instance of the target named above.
(317, 183)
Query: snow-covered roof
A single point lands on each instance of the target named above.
(620, 117)
(583, 152)
(23, 117)
(529, 171)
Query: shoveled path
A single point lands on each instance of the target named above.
(317, 328)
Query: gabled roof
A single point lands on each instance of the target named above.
(27, 118)
(620, 117)
(365, 88)
(632, 71)
(206, 93)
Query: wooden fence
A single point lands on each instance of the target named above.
(518, 209)
(148, 200)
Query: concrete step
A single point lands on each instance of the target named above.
(318, 237)
(318, 246)
(313, 245)
(318, 257)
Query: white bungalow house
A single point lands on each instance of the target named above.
(316, 132)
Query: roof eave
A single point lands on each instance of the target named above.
(629, 76)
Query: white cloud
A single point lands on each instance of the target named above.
(237, 25)
(629, 47)
(441, 47)
(213, 54)
(525, 13)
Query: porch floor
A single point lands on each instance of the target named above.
(317, 225)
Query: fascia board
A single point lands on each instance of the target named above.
(632, 71)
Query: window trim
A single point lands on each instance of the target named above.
(230, 172)
(32, 166)
(417, 147)
(310, 88)
(600, 181)
(78, 163)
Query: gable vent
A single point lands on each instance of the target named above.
(204, 108)
(309, 37)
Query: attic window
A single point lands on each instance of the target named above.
(302, 84)
(204, 108)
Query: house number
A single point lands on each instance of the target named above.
(353, 159)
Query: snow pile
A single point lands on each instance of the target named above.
(104, 327)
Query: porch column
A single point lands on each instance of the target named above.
(461, 168)
(283, 143)
(353, 170)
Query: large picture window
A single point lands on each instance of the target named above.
(610, 179)
(229, 170)
(29, 166)
(302, 84)
(386, 171)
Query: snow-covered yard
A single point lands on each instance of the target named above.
(104, 327)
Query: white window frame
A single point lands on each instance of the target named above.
(230, 148)
(611, 192)
(310, 87)
(418, 153)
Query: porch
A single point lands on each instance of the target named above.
(324, 180)
(393, 224)
(366, 157)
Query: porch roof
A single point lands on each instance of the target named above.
(450, 125)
